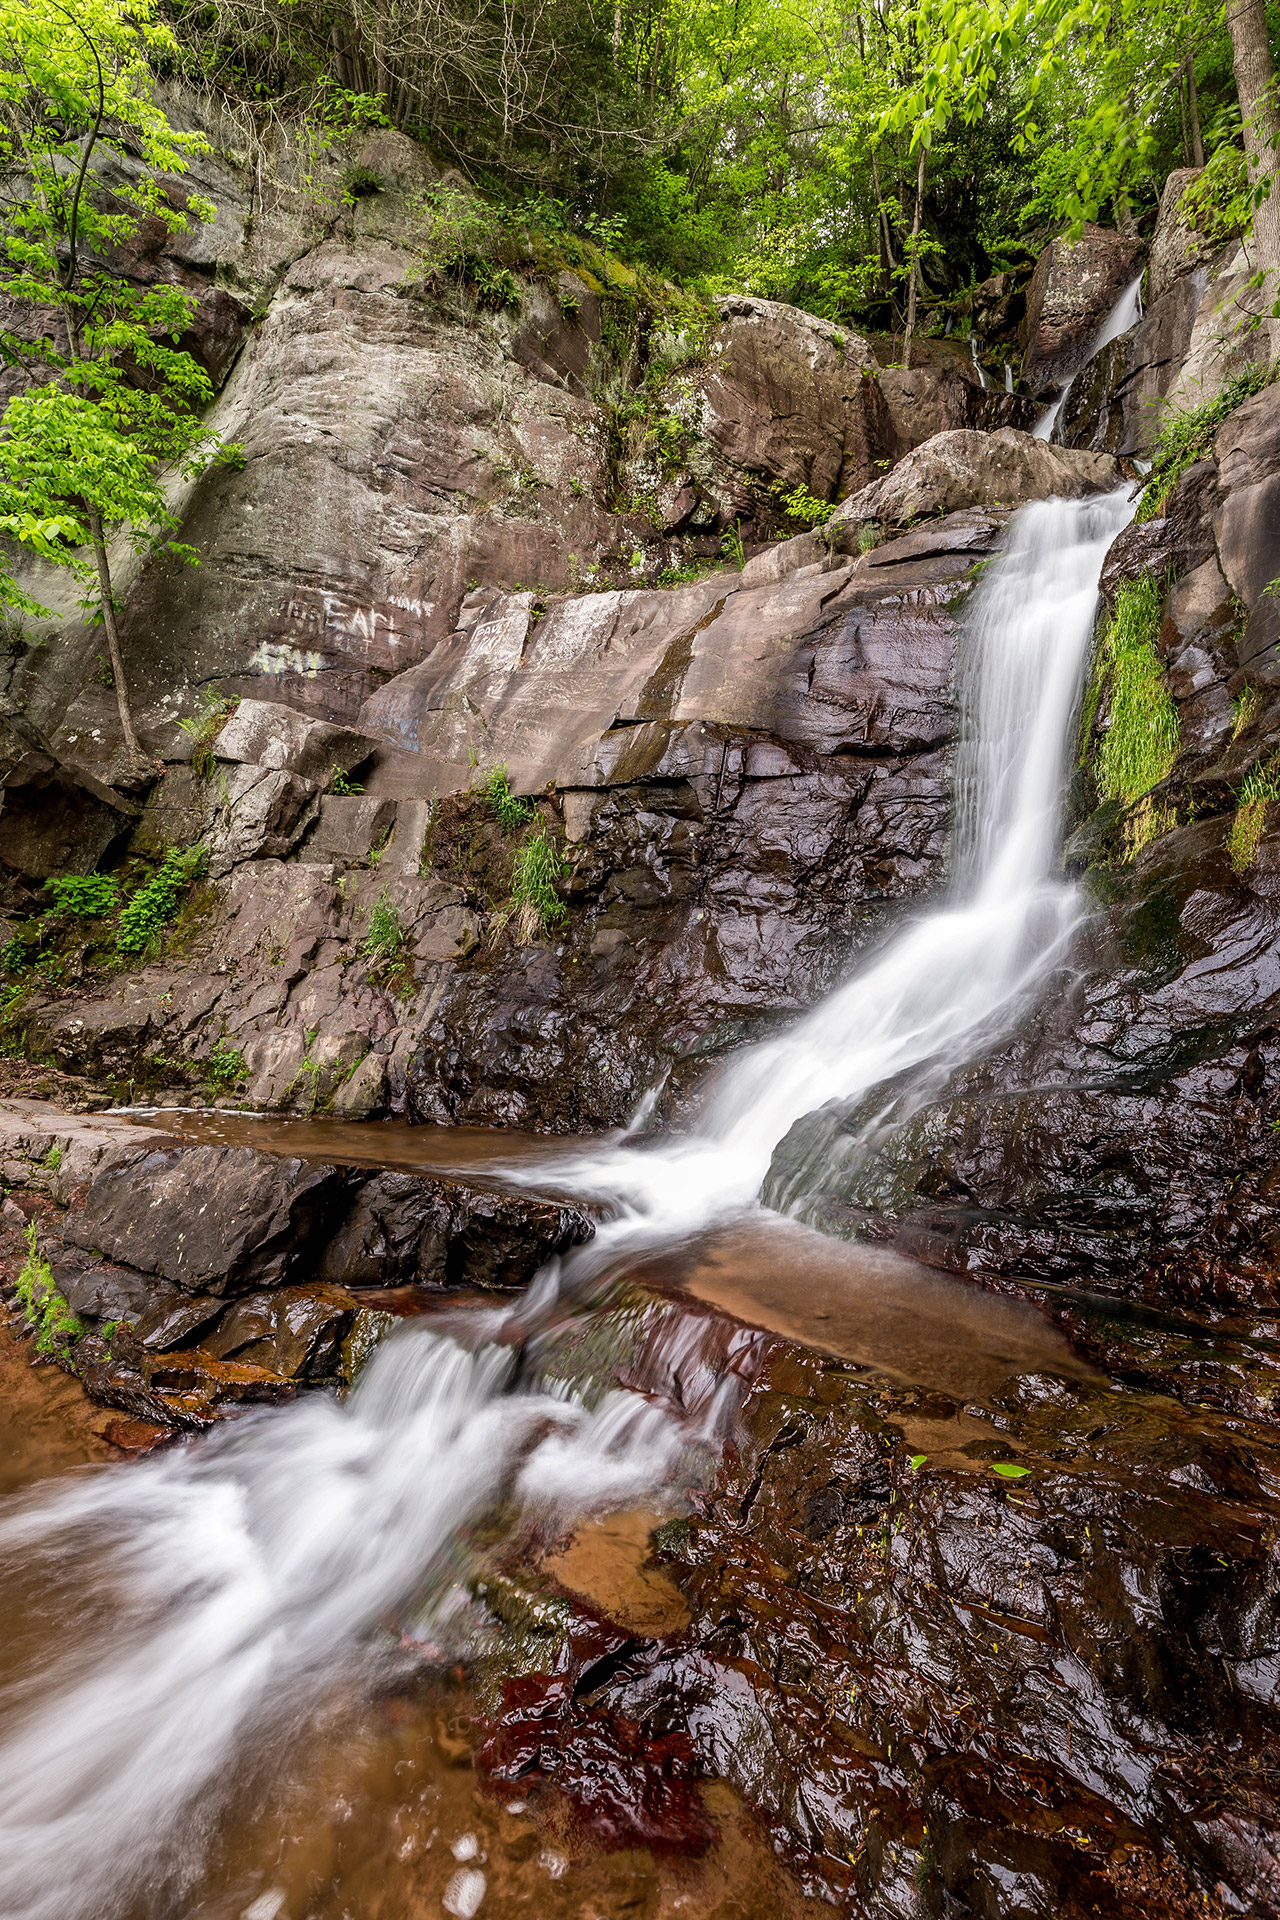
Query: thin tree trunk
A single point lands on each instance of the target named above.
(915, 264)
(1182, 114)
(1193, 111)
(132, 748)
(1255, 86)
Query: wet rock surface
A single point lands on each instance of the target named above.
(1003, 1652)
(210, 1277)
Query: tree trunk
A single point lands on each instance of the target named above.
(1255, 86)
(133, 750)
(1193, 110)
(915, 264)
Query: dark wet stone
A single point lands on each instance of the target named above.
(211, 1219)
(291, 1331)
(446, 1233)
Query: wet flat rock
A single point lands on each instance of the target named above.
(211, 1276)
(941, 1689)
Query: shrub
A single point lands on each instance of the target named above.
(538, 867)
(83, 896)
(155, 905)
(225, 1068)
(43, 1307)
(1260, 788)
(342, 784)
(511, 813)
(1187, 437)
(804, 506)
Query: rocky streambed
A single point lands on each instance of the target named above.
(959, 1603)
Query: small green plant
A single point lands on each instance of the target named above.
(731, 545)
(1187, 436)
(203, 727)
(83, 896)
(379, 847)
(1261, 787)
(342, 785)
(1244, 709)
(155, 905)
(868, 537)
(225, 1068)
(385, 946)
(1008, 1471)
(360, 183)
(53, 1159)
(496, 287)
(804, 506)
(46, 1312)
(510, 813)
(1140, 744)
(538, 867)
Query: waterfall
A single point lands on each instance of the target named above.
(967, 967)
(1126, 313)
(200, 1609)
(973, 355)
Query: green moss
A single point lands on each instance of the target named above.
(1140, 743)
(1260, 788)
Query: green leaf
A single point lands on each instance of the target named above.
(1008, 1470)
(916, 1461)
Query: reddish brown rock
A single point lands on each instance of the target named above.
(1072, 290)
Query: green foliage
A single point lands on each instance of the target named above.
(1140, 743)
(510, 813)
(156, 904)
(341, 784)
(537, 870)
(204, 726)
(46, 1312)
(107, 402)
(1219, 202)
(1007, 1470)
(1245, 708)
(1260, 789)
(496, 287)
(1187, 436)
(83, 896)
(225, 1068)
(804, 506)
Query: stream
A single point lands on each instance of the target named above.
(202, 1710)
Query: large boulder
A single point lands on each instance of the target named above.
(1072, 290)
(212, 1220)
(958, 470)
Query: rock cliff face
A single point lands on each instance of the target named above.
(438, 626)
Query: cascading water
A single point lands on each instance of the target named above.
(952, 975)
(245, 1578)
(1126, 313)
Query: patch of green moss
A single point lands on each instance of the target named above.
(1140, 742)
(1260, 789)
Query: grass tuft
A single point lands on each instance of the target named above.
(1260, 788)
(538, 867)
(1140, 743)
(511, 813)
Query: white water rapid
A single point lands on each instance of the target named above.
(196, 1613)
(959, 971)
